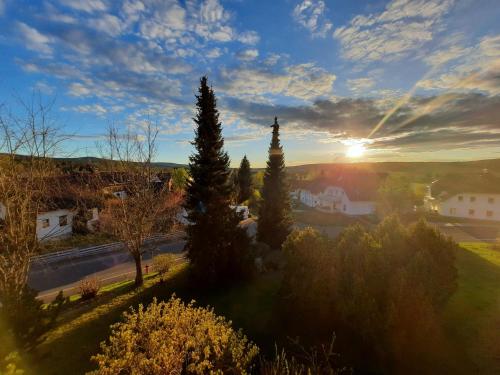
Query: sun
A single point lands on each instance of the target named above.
(355, 151)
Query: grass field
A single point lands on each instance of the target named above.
(471, 318)
(68, 347)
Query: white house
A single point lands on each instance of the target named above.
(347, 193)
(474, 197)
(54, 224)
(50, 224)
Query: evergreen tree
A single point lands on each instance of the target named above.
(244, 181)
(217, 246)
(274, 213)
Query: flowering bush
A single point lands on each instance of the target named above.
(173, 338)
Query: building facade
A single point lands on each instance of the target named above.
(480, 206)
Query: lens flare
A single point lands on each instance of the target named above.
(355, 151)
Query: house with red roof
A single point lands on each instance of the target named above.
(349, 193)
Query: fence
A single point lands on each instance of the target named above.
(98, 250)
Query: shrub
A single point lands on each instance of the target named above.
(26, 319)
(163, 263)
(381, 291)
(173, 338)
(88, 288)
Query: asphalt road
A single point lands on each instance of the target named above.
(49, 279)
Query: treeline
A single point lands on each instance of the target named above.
(381, 292)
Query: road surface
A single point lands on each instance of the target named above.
(50, 278)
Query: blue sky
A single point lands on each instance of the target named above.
(331, 71)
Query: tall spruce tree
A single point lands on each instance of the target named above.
(274, 222)
(244, 180)
(217, 246)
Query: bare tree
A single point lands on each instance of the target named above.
(26, 143)
(147, 207)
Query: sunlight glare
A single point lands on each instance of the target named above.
(355, 151)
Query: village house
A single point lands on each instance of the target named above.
(349, 193)
(473, 197)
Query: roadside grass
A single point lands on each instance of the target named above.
(68, 347)
(77, 241)
(472, 316)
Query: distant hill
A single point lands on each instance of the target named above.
(97, 161)
(417, 171)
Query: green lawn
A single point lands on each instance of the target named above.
(472, 317)
(68, 347)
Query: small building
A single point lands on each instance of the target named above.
(54, 224)
(348, 192)
(470, 197)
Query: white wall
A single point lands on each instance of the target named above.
(454, 207)
(54, 230)
(308, 198)
(335, 199)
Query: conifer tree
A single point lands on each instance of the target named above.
(274, 221)
(244, 180)
(217, 246)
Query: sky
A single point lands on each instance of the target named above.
(397, 80)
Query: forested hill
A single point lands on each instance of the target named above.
(418, 171)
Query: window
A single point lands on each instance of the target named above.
(344, 207)
(460, 198)
(453, 211)
(489, 213)
(63, 220)
(491, 200)
(45, 223)
(472, 199)
(471, 212)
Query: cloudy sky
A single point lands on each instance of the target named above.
(348, 80)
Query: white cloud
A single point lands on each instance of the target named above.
(403, 28)
(303, 81)
(310, 14)
(360, 85)
(44, 87)
(478, 69)
(213, 53)
(249, 37)
(272, 59)
(88, 6)
(248, 55)
(107, 24)
(34, 39)
(79, 89)
(96, 109)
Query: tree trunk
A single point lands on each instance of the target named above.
(138, 270)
